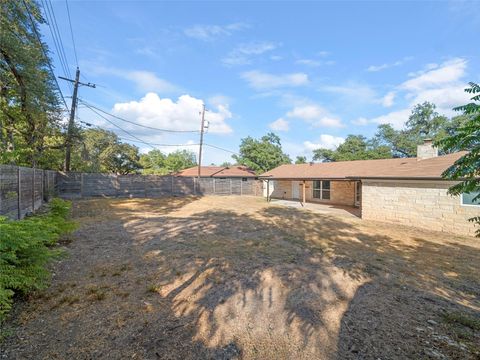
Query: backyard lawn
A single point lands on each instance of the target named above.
(237, 278)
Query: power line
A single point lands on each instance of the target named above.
(155, 144)
(56, 35)
(44, 52)
(133, 140)
(71, 32)
(56, 40)
(125, 131)
(137, 124)
(219, 148)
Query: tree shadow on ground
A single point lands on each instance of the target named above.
(263, 282)
(277, 282)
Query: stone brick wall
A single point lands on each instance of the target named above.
(282, 189)
(423, 204)
(341, 193)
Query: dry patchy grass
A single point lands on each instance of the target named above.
(235, 277)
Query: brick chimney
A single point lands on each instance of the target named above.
(426, 150)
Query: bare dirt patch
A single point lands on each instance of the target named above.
(235, 277)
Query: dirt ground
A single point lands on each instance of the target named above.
(237, 278)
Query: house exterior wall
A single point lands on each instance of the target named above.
(341, 192)
(423, 204)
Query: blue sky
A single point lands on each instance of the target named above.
(312, 72)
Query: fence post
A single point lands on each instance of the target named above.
(144, 185)
(214, 190)
(81, 185)
(43, 186)
(194, 186)
(19, 195)
(33, 191)
(241, 187)
(171, 192)
(231, 191)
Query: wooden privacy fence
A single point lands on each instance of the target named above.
(23, 190)
(74, 184)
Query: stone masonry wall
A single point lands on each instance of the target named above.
(341, 193)
(423, 204)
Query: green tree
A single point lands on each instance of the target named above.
(179, 160)
(424, 122)
(120, 158)
(153, 162)
(99, 150)
(466, 137)
(263, 154)
(355, 147)
(30, 130)
(301, 160)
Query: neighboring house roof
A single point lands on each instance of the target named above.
(431, 168)
(218, 171)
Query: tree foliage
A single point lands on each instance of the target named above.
(262, 154)
(466, 137)
(100, 150)
(355, 147)
(424, 122)
(156, 162)
(301, 160)
(30, 128)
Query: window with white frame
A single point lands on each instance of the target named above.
(321, 189)
(471, 199)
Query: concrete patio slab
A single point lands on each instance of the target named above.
(340, 210)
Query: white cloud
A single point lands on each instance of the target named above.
(243, 53)
(147, 81)
(260, 80)
(309, 62)
(315, 115)
(449, 72)
(388, 99)
(314, 63)
(361, 121)
(183, 114)
(280, 125)
(396, 118)
(375, 68)
(211, 32)
(325, 142)
(441, 84)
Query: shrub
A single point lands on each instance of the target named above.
(26, 248)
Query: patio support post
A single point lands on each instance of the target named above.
(303, 193)
(268, 190)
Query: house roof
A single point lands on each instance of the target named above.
(411, 168)
(218, 171)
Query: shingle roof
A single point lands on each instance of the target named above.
(218, 171)
(384, 168)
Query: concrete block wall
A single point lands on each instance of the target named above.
(424, 204)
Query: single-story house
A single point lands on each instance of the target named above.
(219, 172)
(408, 191)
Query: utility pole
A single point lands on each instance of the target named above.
(71, 122)
(201, 142)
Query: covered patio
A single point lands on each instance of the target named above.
(325, 209)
